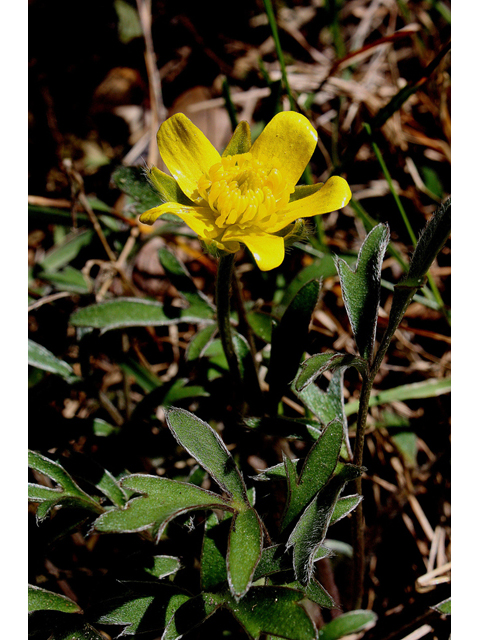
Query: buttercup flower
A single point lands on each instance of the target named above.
(248, 194)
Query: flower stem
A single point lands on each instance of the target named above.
(223, 286)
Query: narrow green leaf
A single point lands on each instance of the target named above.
(68, 279)
(344, 506)
(147, 192)
(214, 552)
(163, 566)
(63, 253)
(311, 529)
(444, 607)
(44, 359)
(361, 288)
(314, 366)
(289, 339)
(274, 559)
(205, 445)
(162, 500)
(89, 470)
(273, 610)
(133, 312)
(348, 623)
(414, 391)
(199, 342)
(316, 593)
(261, 325)
(191, 614)
(147, 607)
(41, 599)
(317, 469)
(244, 551)
(57, 473)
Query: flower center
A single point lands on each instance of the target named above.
(241, 191)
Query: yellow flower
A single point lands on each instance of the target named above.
(248, 194)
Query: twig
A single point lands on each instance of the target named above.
(47, 299)
(159, 111)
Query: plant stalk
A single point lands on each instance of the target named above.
(222, 295)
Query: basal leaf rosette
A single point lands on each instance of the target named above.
(247, 196)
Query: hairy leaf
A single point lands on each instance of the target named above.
(361, 288)
(134, 312)
(289, 340)
(145, 607)
(162, 500)
(40, 599)
(317, 469)
(348, 623)
(205, 445)
(314, 366)
(67, 494)
(244, 550)
(311, 529)
(44, 359)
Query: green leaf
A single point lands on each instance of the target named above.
(199, 342)
(167, 188)
(147, 607)
(361, 288)
(205, 445)
(289, 339)
(163, 566)
(326, 406)
(68, 494)
(348, 623)
(143, 194)
(311, 529)
(444, 607)
(214, 552)
(133, 312)
(63, 253)
(344, 506)
(315, 592)
(191, 614)
(41, 599)
(314, 366)
(244, 550)
(273, 610)
(103, 429)
(240, 142)
(414, 391)
(317, 469)
(89, 470)
(129, 26)
(261, 325)
(162, 500)
(68, 279)
(274, 559)
(44, 359)
(181, 280)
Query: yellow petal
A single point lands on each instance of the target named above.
(333, 195)
(187, 153)
(199, 219)
(287, 143)
(268, 250)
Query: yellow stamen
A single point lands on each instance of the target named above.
(239, 190)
